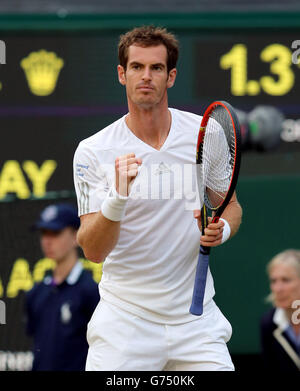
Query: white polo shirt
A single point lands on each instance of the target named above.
(151, 270)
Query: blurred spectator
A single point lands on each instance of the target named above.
(59, 308)
(280, 327)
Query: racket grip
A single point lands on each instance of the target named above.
(215, 219)
(200, 282)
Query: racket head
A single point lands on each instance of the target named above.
(218, 156)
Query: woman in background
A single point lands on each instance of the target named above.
(280, 326)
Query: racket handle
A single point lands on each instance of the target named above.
(200, 282)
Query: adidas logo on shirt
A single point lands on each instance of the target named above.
(161, 169)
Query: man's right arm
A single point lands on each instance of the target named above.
(97, 236)
(99, 231)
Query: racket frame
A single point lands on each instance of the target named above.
(203, 259)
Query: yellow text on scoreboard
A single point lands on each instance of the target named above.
(14, 178)
(22, 279)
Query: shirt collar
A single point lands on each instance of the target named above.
(72, 277)
(74, 273)
(280, 319)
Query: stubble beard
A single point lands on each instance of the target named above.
(145, 102)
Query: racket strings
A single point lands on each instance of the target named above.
(218, 157)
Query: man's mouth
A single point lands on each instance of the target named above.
(145, 88)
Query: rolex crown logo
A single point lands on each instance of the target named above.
(42, 70)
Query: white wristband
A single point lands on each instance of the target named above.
(113, 207)
(226, 230)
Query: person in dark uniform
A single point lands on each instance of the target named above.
(280, 326)
(59, 308)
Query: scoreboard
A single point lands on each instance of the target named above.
(250, 70)
(260, 66)
(57, 90)
(59, 87)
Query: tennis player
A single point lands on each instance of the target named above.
(134, 215)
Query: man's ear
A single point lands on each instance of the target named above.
(171, 77)
(121, 75)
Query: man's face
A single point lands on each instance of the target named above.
(146, 77)
(58, 245)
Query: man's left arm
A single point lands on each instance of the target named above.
(214, 232)
(233, 215)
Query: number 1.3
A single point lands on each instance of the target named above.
(280, 59)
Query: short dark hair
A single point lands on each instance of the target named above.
(146, 36)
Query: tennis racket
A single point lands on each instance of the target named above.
(218, 158)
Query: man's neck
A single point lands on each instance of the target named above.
(152, 126)
(64, 267)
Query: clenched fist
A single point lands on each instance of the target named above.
(126, 168)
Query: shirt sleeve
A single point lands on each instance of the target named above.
(90, 181)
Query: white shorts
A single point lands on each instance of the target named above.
(120, 341)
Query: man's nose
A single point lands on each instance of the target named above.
(147, 74)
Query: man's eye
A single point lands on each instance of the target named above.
(286, 280)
